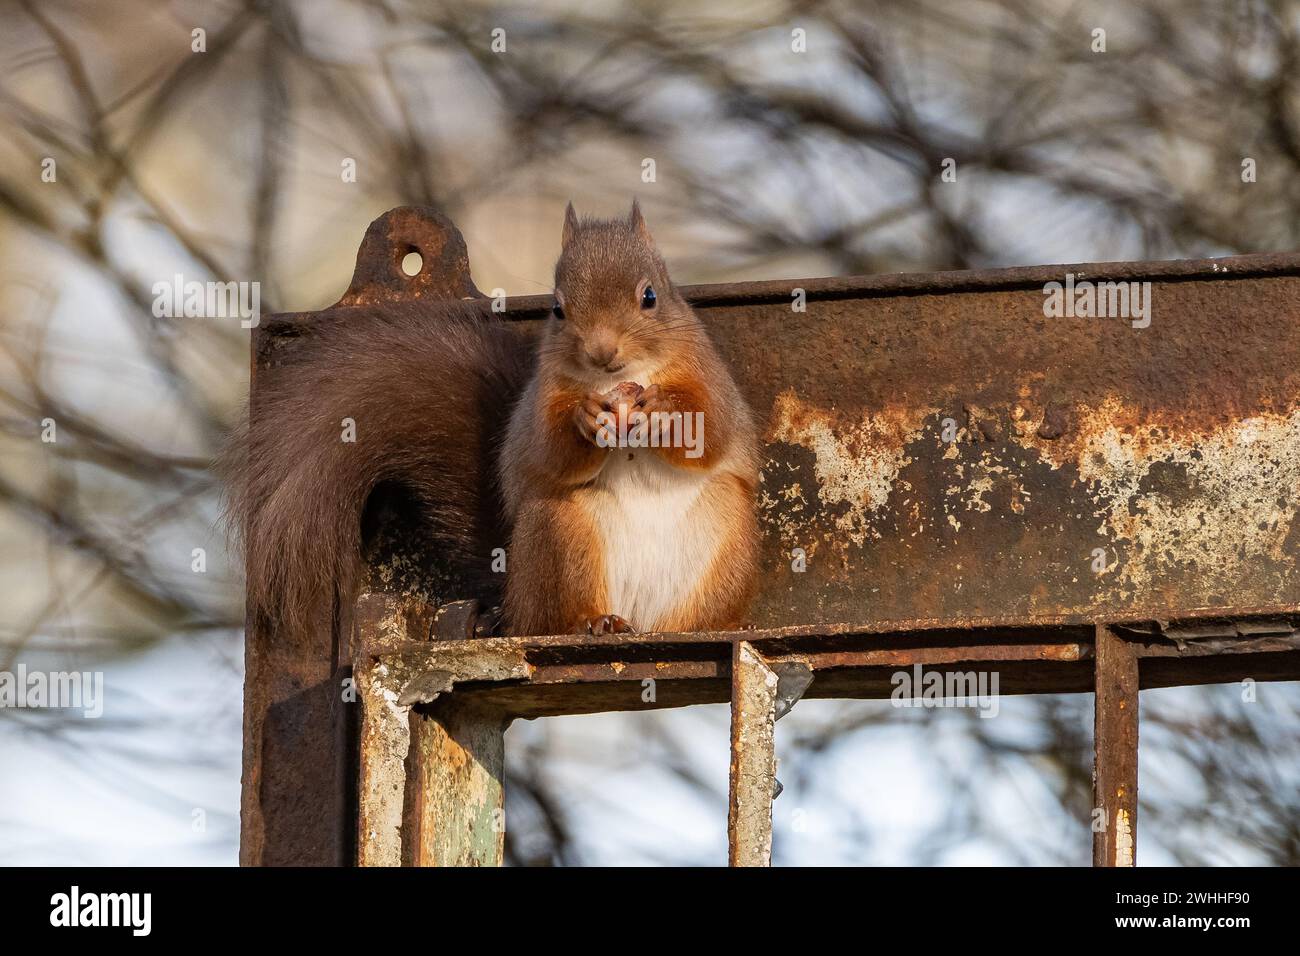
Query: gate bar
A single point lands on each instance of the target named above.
(1115, 759)
(753, 758)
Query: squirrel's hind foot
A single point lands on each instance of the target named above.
(606, 624)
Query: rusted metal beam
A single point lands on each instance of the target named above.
(568, 674)
(1115, 739)
(753, 758)
(936, 444)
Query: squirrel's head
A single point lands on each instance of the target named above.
(616, 310)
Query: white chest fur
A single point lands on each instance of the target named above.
(659, 539)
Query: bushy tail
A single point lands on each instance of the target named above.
(428, 389)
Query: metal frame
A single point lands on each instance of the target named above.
(853, 393)
(435, 710)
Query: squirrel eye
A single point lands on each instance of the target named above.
(557, 310)
(648, 298)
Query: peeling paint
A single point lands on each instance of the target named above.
(385, 737)
(857, 463)
(1212, 505)
(1237, 492)
(1123, 839)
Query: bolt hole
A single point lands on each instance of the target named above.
(412, 263)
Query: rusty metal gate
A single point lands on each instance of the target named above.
(954, 479)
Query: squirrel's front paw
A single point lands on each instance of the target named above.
(655, 405)
(653, 399)
(605, 624)
(586, 415)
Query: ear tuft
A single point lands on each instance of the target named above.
(637, 222)
(570, 225)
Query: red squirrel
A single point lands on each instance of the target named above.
(650, 532)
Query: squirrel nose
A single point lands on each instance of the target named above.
(604, 355)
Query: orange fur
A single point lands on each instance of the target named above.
(687, 392)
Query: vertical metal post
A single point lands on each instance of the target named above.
(753, 758)
(299, 768)
(454, 807)
(385, 741)
(383, 621)
(1115, 767)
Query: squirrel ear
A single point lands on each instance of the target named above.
(637, 222)
(570, 225)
